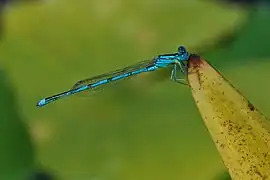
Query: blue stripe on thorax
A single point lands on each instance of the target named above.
(165, 60)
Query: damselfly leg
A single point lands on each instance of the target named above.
(179, 68)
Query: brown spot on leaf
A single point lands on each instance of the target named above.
(251, 107)
(194, 61)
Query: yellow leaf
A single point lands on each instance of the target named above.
(240, 132)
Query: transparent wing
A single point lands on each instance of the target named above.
(112, 74)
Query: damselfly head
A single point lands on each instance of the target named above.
(182, 51)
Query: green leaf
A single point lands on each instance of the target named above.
(250, 42)
(16, 150)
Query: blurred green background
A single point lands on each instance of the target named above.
(140, 129)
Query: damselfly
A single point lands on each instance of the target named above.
(176, 60)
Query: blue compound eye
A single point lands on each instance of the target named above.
(183, 54)
(182, 50)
